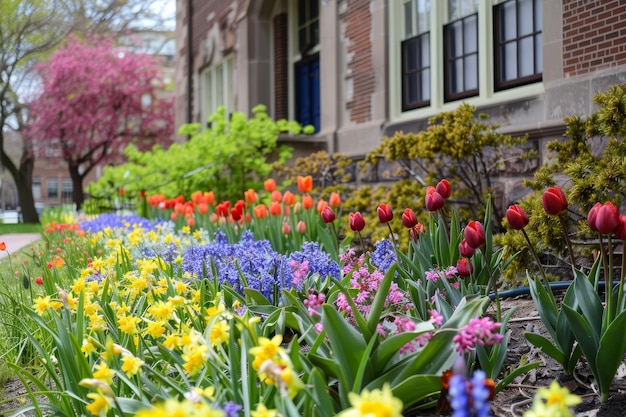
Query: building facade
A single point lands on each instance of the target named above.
(359, 70)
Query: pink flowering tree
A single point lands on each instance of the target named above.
(96, 99)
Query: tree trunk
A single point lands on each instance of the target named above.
(23, 178)
(77, 185)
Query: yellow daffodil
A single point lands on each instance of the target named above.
(375, 403)
(558, 397)
(174, 408)
(104, 373)
(220, 332)
(100, 405)
(131, 364)
(262, 411)
(266, 350)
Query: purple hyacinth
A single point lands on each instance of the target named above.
(384, 255)
(113, 221)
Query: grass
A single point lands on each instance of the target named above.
(20, 228)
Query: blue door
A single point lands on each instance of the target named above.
(307, 75)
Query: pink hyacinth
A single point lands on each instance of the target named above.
(481, 331)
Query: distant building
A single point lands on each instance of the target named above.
(359, 70)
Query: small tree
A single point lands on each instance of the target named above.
(96, 99)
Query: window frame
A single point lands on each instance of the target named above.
(419, 70)
(209, 101)
(54, 181)
(449, 61)
(498, 70)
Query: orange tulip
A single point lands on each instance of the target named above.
(307, 202)
(305, 184)
(260, 211)
(269, 185)
(203, 208)
(3, 246)
(288, 198)
(191, 222)
(250, 196)
(275, 208)
(321, 205)
(209, 197)
(57, 261)
(277, 196)
(334, 200)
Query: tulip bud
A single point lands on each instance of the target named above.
(286, 228)
(305, 184)
(516, 216)
(385, 215)
(409, 220)
(434, 200)
(443, 188)
(620, 233)
(464, 267)
(554, 201)
(301, 227)
(357, 222)
(269, 185)
(328, 215)
(465, 250)
(603, 218)
(334, 200)
(474, 234)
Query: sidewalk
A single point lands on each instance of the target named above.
(16, 241)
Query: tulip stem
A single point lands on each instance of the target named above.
(361, 240)
(621, 279)
(567, 241)
(492, 284)
(541, 270)
(608, 287)
(604, 263)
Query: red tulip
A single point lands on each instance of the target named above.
(554, 201)
(39, 281)
(328, 215)
(357, 222)
(443, 188)
(620, 232)
(434, 200)
(409, 220)
(464, 267)
(603, 218)
(516, 216)
(474, 234)
(385, 215)
(301, 227)
(466, 250)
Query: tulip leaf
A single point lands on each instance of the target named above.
(416, 388)
(514, 374)
(346, 342)
(545, 305)
(392, 344)
(589, 302)
(611, 352)
(547, 347)
(585, 335)
(378, 304)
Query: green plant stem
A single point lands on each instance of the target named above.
(546, 283)
(567, 241)
(361, 241)
(492, 283)
(620, 293)
(604, 263)
(608, 285)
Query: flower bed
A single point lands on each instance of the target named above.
(264, 309)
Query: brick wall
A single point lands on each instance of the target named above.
(594, 35)
(281, 67)
(358, 26)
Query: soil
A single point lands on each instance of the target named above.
(514, 400)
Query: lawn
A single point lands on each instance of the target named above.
(20, 228)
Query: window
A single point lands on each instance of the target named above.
(67, 189)
(53, 188)
(307, 64)
(217, 88)
(415, 52)
(36, 189)
(517, 27)
(461, 52)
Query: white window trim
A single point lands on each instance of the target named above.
(438, 17)
(208, 99)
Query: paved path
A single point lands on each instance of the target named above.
(16, 241)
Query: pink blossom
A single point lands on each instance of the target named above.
(435, 317)
(481, 331)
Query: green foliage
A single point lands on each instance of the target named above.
(459, 146)
(231, 156)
